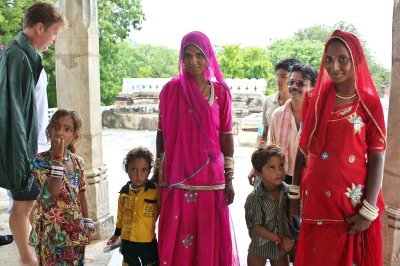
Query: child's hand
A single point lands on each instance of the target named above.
(58, 146)
(112, 240)
(288, 244)
(89, 234)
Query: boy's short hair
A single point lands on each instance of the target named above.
(41, 12)
(263, 153)
(286, 64)
(139, 152)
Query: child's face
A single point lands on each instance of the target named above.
(64, 129)
(138, 171)
(273, 172)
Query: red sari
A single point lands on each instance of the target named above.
(336, 143)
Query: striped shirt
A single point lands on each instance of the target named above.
(262, 210)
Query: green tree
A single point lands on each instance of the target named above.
(230, 62)
(307, 51)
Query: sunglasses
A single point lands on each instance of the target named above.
(299, 83)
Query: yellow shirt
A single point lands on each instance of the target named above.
(138, 213)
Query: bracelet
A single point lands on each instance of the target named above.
(370, 207)
(290, 196)
(157, 162)
(88, 223)
(368, 214)
(294, 189)
(228, 178)
(229, 162)
(56, 157)
(57, 171)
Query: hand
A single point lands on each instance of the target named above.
(252, 176)
(112, 240)
(89, 234)
(58, 146)
(288, 244)
(294, 208)
(229, 192)
(154, 178)
(357, 224)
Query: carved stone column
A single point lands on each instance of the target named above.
(391, 179)
(78, 88)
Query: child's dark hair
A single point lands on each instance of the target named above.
(139, 152)
(263, 153)
(77, 126)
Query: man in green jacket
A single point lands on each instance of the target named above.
(20, 68)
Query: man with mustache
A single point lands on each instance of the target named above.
(285, 125)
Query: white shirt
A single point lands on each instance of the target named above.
(42, 110)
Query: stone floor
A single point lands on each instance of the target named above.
(116, 144)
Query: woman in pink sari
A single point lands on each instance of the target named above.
(342, 146)
(194, 165)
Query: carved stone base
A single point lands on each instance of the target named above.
(391, 231)
(98, 202)
(104, 228)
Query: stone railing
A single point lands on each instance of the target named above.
(135, 90)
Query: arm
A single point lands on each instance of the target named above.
(17, 120)
(294, 204)
(288, 244)
(226, 140)
(55, 182)
(159, 151)
(118, 226)
(264, 136)
(374, 180)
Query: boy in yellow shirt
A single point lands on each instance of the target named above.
(138, 210)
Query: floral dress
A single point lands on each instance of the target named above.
(58, 233)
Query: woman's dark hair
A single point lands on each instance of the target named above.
(139, 152)
(77, 126)
(307, 71)
(263, 153)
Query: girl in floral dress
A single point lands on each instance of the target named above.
(61, 227)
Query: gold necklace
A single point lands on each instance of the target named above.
(345, 97)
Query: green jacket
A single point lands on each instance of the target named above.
(20, 67)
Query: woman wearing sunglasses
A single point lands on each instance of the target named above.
(284, 129)
(343, 139)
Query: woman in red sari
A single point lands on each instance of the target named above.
(194, 164)
(340, 157)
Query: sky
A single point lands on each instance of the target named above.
(260, 22)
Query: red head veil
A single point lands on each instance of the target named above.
(322, 102)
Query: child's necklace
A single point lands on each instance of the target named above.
(66, 158)
(135, 189)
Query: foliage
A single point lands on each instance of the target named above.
(249, 62)
(307, 51)
(120, 59)
(11, 14)
(128, 61)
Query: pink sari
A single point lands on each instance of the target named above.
(195, 226)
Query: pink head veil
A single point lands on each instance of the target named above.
(322, 102)
(191, 140)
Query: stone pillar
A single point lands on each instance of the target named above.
(391, 179)
(78, 88)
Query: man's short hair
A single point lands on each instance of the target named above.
(41, 12)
